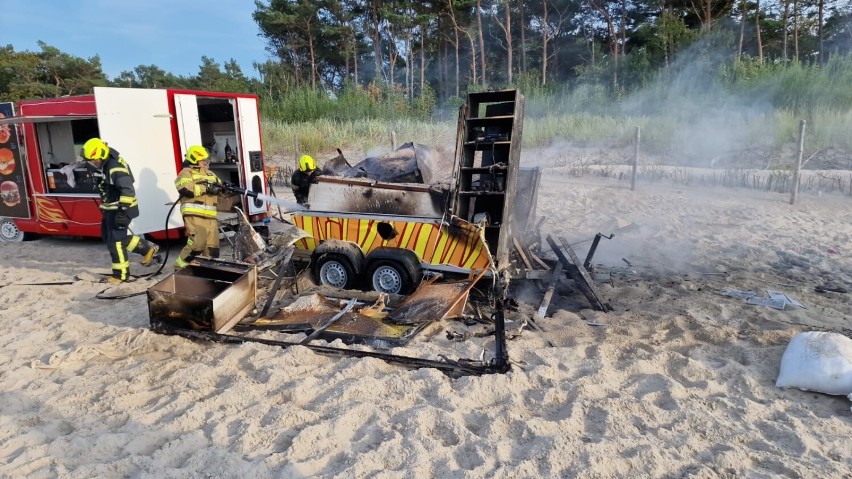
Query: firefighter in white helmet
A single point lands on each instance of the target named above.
(199, 190)
(119, 206)
(302, 178)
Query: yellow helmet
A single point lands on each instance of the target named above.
(95, 149)
(306, 163)
(196, 153)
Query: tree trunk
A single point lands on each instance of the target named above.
(544, 39)
(481, 39)
(472, 58)
(393, 55)
(457, 45)
(508, 31)
(796, 29)
(742, 29)
(422, 63)
(784, 20)
(623, 28)
(757, 31)
(377, 38)
(708, 15)
(820, 11)
(457, 62)
(613, 41)
(354, 54)
(408, 72)
(523, 67)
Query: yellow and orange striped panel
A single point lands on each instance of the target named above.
(463, 248)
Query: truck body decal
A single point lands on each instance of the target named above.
(461, 245)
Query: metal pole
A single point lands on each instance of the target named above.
(635, 160)
(797, 171)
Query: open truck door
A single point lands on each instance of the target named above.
(250, 155)
(188, 123)
(138, 124)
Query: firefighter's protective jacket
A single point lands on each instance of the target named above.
(194, 198)
(301, 182)
(116, 186)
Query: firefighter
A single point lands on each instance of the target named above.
(302, 178)
(199, 189)
(119, 207)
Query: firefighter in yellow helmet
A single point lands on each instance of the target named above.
(199, 190)
(119, 207)
(302, 178)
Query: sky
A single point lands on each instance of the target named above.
(171, 34)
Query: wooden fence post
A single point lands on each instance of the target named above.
(635, 160)
(797, 171)
(296, 151)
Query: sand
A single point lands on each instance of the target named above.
(676, 381)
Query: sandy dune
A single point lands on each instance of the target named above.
(677, 381)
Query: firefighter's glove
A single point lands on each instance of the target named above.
(122, 220)
(213, 189)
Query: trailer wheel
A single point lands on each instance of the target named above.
(388, 276)
(333, 269)
(9, 231)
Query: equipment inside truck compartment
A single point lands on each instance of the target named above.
(217, 119)
(59, 144)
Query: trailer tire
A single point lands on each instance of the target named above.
(334, 269)
(9, 231)
(393, 277)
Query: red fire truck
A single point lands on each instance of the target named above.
(47, 189)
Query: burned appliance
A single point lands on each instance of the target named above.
(208, 295)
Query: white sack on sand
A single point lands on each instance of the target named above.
(817, 361)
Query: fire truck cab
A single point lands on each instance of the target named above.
(48, 189)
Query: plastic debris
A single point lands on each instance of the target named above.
(775, 299)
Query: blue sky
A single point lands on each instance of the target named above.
(172, 34)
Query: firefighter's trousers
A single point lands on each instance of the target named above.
(119, 242)
(202, 239)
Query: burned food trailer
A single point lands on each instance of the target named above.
(151, 128)
(387, 235)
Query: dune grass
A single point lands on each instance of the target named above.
(824, 129)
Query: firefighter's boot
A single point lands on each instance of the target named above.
(112, 280)
(151, 257)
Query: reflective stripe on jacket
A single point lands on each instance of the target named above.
(116, 186)
(191, 180)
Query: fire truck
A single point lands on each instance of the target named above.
(48, 189)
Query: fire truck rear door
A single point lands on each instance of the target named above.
(137, 123)
(250, 153)
(188, 125)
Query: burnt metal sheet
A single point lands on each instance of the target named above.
(431, 302)
(367, 196)
(410, 163)
(574, 270)
(309, 312)
(434, 301)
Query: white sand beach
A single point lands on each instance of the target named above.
(677, 381)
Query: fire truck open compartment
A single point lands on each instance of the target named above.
(59, 144)
(217, 122)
